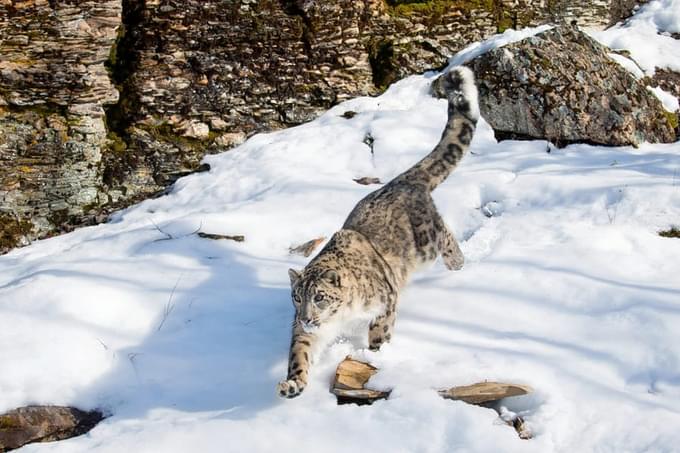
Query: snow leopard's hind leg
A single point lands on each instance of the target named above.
(448, 246)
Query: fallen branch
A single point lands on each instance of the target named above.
(217, 237)
(484, 392)
(169, 236)
(169, 305)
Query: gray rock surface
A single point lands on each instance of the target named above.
(562, 86)
(53, 87)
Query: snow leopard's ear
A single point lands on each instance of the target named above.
(294, 276)
(333, 277)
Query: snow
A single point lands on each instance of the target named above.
(670, 102)
(567, 287)
(507, 37)
(628, 64)
(645, 36)
(664, 14)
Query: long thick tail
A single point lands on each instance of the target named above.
(433, 169)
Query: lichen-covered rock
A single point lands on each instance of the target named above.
(53, 86)
(44, 424)
(669, 81)
(562, 86)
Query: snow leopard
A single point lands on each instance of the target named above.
(390, 233)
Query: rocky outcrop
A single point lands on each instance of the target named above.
(44, 424)
(53, 86)
(669, 81)
(562, 86)
(622, 9)
(196, 76)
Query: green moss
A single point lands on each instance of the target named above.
(503, 23)
(437, 8)
(7, 423)
(672, 233)
(115, 143)
(112, 61)
(672, 119)
(12, 230)
(43, 110)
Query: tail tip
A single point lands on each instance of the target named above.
(462, 91)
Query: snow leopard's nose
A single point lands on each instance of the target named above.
(309, 326)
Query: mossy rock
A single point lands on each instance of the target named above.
(7, 423)
(672, 119)
(13, 231)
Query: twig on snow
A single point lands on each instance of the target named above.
(132, 356)
(169, 305)
(217, 237)
(106, 348)
(169, 236)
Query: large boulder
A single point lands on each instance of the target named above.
(562, 86)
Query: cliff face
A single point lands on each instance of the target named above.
(196, 76)
(53, 86)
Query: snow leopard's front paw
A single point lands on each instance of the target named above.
(290, 388)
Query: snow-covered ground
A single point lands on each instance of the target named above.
(567, 287)
(646, 36)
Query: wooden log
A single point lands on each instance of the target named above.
(485, 392)
(351, 378)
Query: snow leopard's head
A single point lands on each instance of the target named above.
(316, 294)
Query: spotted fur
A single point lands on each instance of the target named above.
(388, 234)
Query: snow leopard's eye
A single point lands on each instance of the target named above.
(319, 301)
(296, 298)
